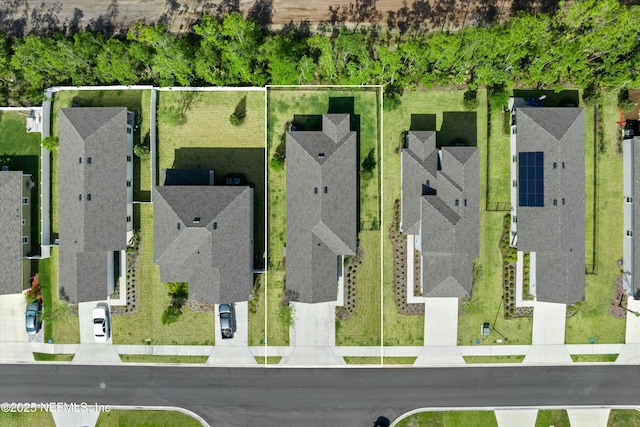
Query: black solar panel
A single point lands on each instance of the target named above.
(531, 178)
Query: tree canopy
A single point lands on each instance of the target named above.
(589, 43)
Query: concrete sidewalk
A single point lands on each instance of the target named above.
(516, 417)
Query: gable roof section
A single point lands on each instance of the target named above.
(91, 228)
(450, 225)
(419, 165)
(555, 231)
(320, 225)
(202, 236)
(11, 232)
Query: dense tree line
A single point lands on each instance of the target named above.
(591, 43)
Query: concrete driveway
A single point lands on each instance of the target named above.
(441, 322)
(548, 323)
(241, 336)
(234, 351)
(85, 317)
(12, 326)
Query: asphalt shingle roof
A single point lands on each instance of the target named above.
(202, 236)
(11, 232)
(321, 226)
(555, 231)
(93, 197)
(445, 213)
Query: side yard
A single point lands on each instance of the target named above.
(592, 319)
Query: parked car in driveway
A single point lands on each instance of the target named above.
(32, 318)
(227, 320)
(101, 324)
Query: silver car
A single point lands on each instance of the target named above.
(32, 318)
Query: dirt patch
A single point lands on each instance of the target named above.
(19, 17)
(619, 301)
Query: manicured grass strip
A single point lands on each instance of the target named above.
(450, 419)
(594, 357)
(366, 360)
(191, 328)
(270, 360)
(493, 359)
(27, 419)
(363, 327)
(59, 325)
(624, 418)
(153, 358)
(555, 418)
(46, 357)
(137, 418)
(278, 317)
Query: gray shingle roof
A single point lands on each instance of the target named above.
(321, 226)
(11, 232)
(555, 232)
(89, 229)
(216, 262)
(447, 218)
(419, 165)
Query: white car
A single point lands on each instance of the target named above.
(101, 325)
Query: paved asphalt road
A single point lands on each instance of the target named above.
(318, 397)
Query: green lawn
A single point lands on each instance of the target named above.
(277, 327)
(257, 320)
(59, 325)
(192, 328)
(593, 319)
(26, 419)
(269, 360)
(206, 139)
(366, 360)
(23, 152)
(141, 418)
(624, 418)
(46, 357)
(594, 357)
(450, 419)
(499, 163)
(364, 326)
(153, 358)
(556, 418)
(493, 359)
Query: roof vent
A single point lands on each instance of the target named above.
(196, 220)
(321, 155)
(315, 190)
(215, 225)
(178, 226)
(325, 190)
(89, 160)
(89, 197)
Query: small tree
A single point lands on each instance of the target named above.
(625, 103)
(368, 165)
(591, 95)
(277, 161)
(470, 100)
(141, 150)
(51, 143)
(240, 112)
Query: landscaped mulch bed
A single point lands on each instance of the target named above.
(619, 301)
(399, 243)
(509, 260)
(352, 265)
(133, 253)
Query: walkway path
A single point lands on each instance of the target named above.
(548, 335)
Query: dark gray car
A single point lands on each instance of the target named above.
(227, 320)
(32, 318)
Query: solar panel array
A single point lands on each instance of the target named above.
(531, 178)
